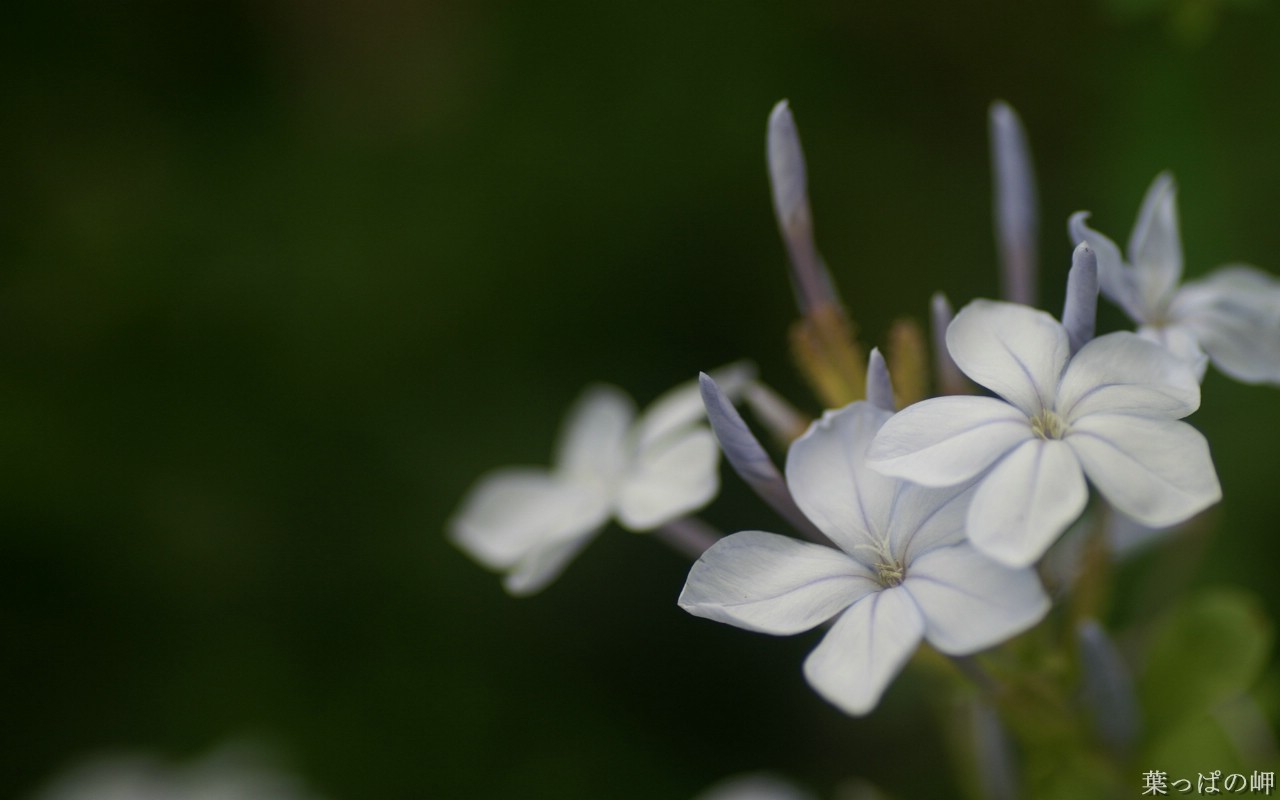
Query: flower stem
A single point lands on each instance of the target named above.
(971, 669)
(1092, 587)
(688, 536)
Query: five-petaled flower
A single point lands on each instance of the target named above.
(903, 570)
(1110, 412)
(1232, 317)
(529, 522)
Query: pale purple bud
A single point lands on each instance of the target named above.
(749, 459)
(1080, 311)
(993, 752)
(1016, 213)
(1107, 690)
(879, 387)
(787, 173)
(948, 379)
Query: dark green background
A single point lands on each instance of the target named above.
(279, 280)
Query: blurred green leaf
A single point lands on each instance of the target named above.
(1069, 775)
(1212, 648)
(1197, 745)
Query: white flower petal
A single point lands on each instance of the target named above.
(1181, 342)
(1026, 502)
(512, 512)
(1156, 471)
(543, 565)
(1235, 315)
(829, 478)
(1115, 278)
(1155, 250)
(947, 440)
(1121, 372)
(593, 442)
(970, 602)
(682, 406)
(865, 649)
(672, 477)
(925, 518)
(773, 584)
(1015, 351)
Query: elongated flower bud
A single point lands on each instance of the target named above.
(749, 459)
(790, 181)
(1107, 690)
(948, 379)
(1016, 209)
(1080, 310)
(879, 386)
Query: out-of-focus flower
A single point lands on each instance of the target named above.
(529, 522)
(233, 773)
(1231, 317)
(754, 786)
(902, 570)
(1110, 413)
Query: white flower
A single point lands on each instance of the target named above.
(754, 786)
(903, 571)
(529, 522)
(233, 773)
(1232, 316)
(1110, 413)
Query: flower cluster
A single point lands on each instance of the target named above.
(921, 519)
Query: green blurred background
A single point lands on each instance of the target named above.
(280, 279)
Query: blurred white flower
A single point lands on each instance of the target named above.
(529, 522)
(754, 786)
(1232, 316)
(1110, 413)
(903, 571)
(232, 773)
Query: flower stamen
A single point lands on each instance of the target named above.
(1048, 425)
(890, 574)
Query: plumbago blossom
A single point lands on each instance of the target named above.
(644, 471)
(235, 772)
(900, 572)
(1231, 317)
(754, 786)
(923, 526)
(1110, 412)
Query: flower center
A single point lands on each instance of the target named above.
(890, 574)
(1048, 425)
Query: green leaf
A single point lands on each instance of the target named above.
(1197, 745)
(1209, 650)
